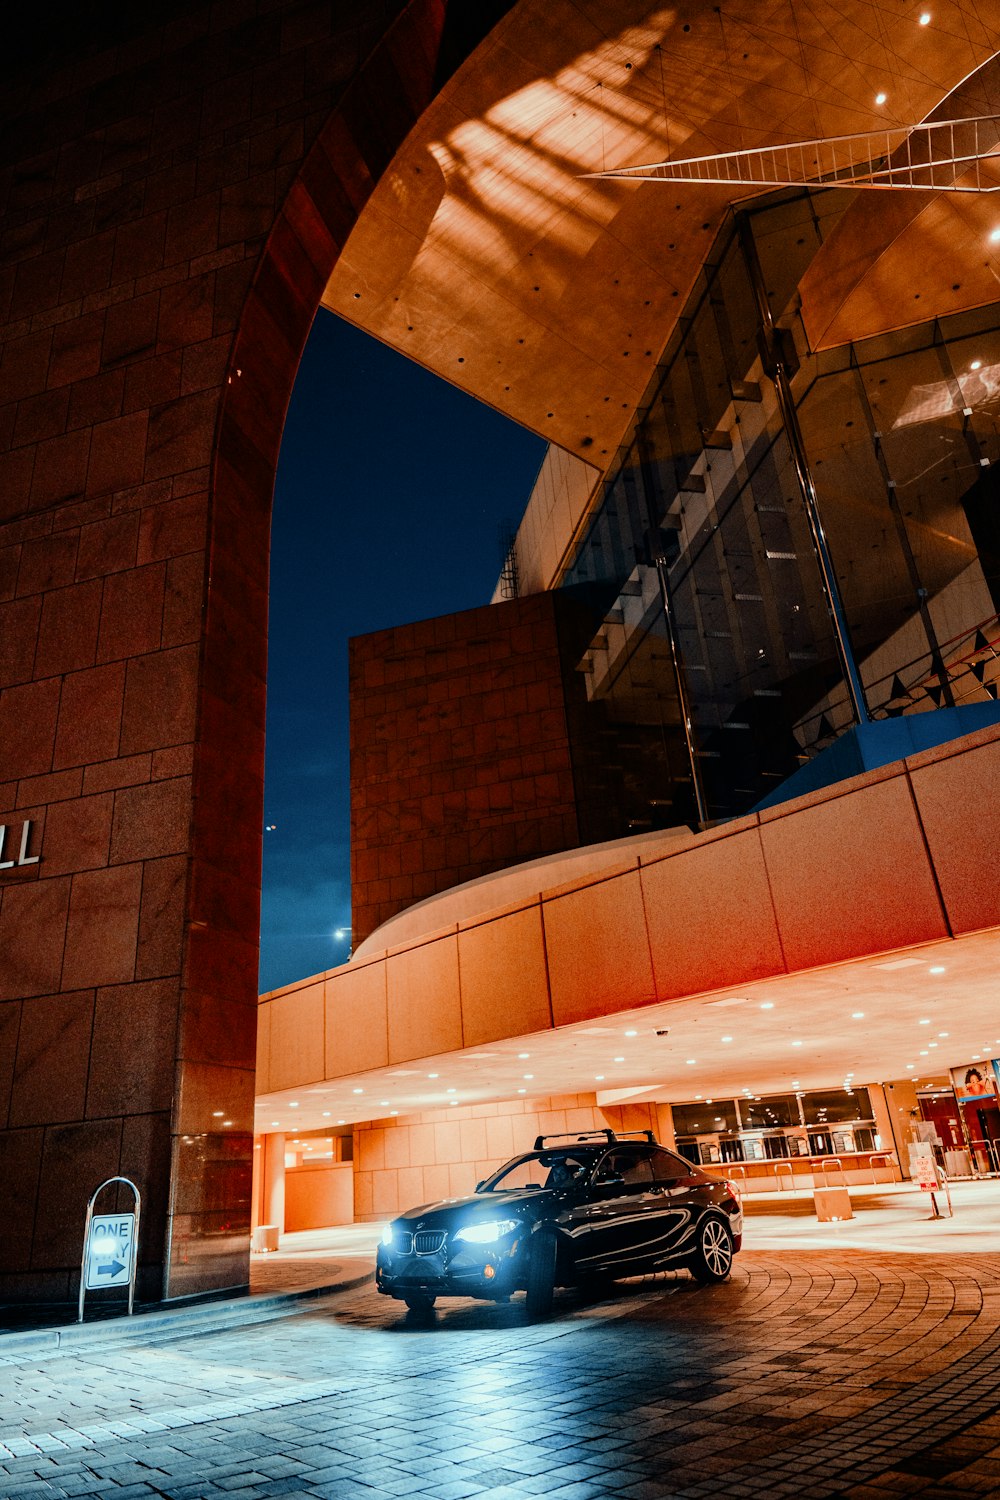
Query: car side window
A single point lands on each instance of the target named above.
(668, 1168)
(633, 1167)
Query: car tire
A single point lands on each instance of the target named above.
(420, 1301)
(541, 1280)
(712, 1260)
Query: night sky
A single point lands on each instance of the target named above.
(391, 488)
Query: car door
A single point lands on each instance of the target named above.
(619, 1200)
(673, 1208)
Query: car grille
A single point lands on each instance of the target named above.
(424, 1242)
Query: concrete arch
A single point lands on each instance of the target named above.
(175, 206)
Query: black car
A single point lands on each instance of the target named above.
(564, 1215)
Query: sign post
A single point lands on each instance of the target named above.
(110, 1247)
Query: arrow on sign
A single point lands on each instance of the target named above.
(110, 1267)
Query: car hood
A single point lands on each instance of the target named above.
(490, 1206)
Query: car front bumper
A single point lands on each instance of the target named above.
(484, 1271)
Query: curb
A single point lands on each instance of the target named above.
(162, 1324)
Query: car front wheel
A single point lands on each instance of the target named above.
(420, 1301)
(541, 1278)
(713, 1255)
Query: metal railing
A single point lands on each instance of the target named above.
(989, 1150)
(825, 1163)
(886, 1157)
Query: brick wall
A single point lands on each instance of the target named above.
(460, 756)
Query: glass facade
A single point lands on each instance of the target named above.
(775, 1127)
(712, 663)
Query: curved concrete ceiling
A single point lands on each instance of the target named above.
(486, 257)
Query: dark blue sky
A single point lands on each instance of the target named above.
(391, 487)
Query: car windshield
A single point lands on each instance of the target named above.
(542, 1169)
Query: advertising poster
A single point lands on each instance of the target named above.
(977, 1080)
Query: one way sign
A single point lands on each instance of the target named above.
(109, 1251)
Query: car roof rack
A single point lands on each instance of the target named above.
(587, 1136)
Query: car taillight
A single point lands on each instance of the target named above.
(732, 1189)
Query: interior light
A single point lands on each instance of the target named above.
(523, 1055)
(619, 1059)
(453, 1103)
(394, 1112)
(434, 1075)
(598, 1077)
(698, 1096)
(383, 1101)
(529, 1076)
(691, 1061)
(858, 1015)
(939, 968)
(796, 1044)
(522, 1091)
(451, 1091)
(294, 1104)
(925, 18)
(795, 1083)
(909, 1067)
(977, 364)
(944, 1033)
(881, 98)
(358, 1091)
(727, 1038)
(341, 1122)
(227, 1122)
(925, 1021)
(217, 1114)
(275, 1122)
(635, 1033)
(767, 1005)
(995, 235)
(924, 1053)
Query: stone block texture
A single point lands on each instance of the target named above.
(460, 753)
(175, 190)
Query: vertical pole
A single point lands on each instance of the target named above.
(778, 373)
(659, 557)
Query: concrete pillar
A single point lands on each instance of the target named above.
(274, 1180)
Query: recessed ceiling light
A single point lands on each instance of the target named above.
(932, 1044)
(881, 98)
(523, 1055)
(944, 1033)
(995, 235)
(326, 1114)
(631, 1033)
(727, 1038)
(796, 1044)
(383, 1101)
(691, 1061)
(909, 1067)
(357, 1091)
(394, 1112)
(341, 1122)
(698, 1096)
(619, 1059)
(795, 1083)
(451, 1091)
(453, 1102)
(925, 18)
(529, 1075)
(924, 1053)
(939, 968)
(293, 1104)
(977, 364)
(598, 1077)
(522, 1091)
(858, 1015)
(767, 1005)
(275, 1122)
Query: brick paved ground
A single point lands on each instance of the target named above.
(809, 1374)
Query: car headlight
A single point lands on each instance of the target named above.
(387, 1235)
(487, 1233)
